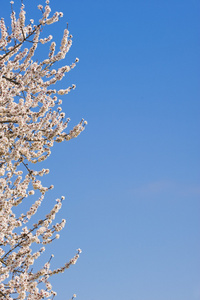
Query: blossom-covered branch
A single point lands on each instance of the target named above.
(31, 120)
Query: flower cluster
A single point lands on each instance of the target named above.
(31, 120)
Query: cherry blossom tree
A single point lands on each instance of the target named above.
(31, 120)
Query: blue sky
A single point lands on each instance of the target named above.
(131, 180)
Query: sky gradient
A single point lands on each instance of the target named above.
(131, 179)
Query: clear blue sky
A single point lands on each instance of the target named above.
(131, 180)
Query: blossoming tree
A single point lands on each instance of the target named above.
(31, 120)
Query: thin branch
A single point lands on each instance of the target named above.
(11, 80)
(18, 45)
(2, 294)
